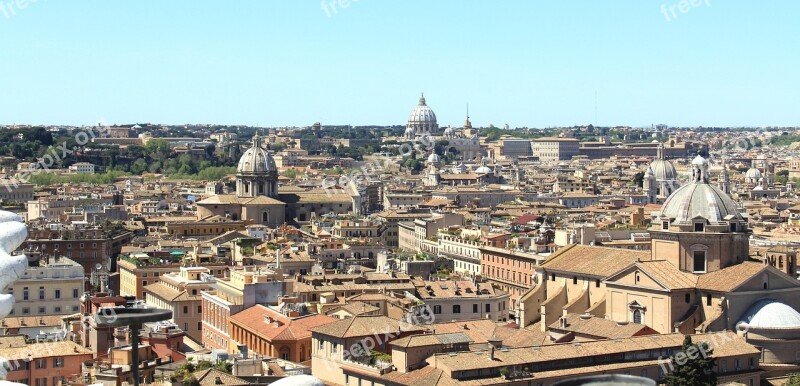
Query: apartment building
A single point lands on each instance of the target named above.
(53, 287)
(244, 288)
(180, 292)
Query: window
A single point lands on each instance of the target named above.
(733, 227)
(597, 283)
(41, 293)
(57, 309)
(334, 348)
(74, 293)
(26, 310)
(699, 261)
(574, 280)
(488, 308)
(58, 362)
(321, 345)
(475, 309)
(185, 309)
(699, 226)
(25, 293)
(199, 326)
(637, 316)
(737, 364)
(665, 225)
(553, 277)
(41, 363)
(688, 298)
(199, 309)
(723, 365)
(456, 309)
(144, 283)
(58, 294)
(42, 310)
(437, 309)
(708, 299)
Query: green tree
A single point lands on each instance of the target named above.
(692, 366)
(793, 380)
(139, 166)
(190, 380)
(157, 149)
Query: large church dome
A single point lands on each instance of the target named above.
(422, 118)
(256, 160)
(770, 313)
(699, 199)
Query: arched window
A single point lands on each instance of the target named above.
(637, 316)
(265, 217)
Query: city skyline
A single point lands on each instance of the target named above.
(681, 63)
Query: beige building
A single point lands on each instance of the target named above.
(137, 271)
(180, 292)
(555, 148)
(696, 278)
(452, 300)
(246, 287)
(54, 287)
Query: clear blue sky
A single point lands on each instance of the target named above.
(278, 63)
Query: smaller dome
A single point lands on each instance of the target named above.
(664, 170)
(433, 158)
(753, 174)
(256, 159)
(770, 313)
(449, 132)
(483, 170)
(409, 131)
(699, 161)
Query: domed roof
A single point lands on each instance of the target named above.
(299, 380)
(770, 313)
(663, 170)
(256, 159)
(483, 170)
(422, 114)
(699, 199)
(449, 132)
(753, 173)
(433, 158)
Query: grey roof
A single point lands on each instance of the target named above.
(663, 170)
(770, 313)
(256, 159)
(699, 199)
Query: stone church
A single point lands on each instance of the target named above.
(697, 278)
(256, 198)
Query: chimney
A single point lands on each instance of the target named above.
(563, 321)
(491, 352)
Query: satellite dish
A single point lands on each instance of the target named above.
(98, 266)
